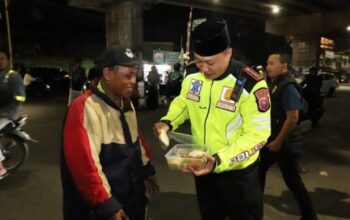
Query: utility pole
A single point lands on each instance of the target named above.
(188, 42)
(9, 41)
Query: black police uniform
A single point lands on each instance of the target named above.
(287, 156)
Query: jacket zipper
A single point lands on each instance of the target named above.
(206, 117)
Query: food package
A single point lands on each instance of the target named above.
(184, 156)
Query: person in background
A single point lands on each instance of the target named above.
(282, 146)
(312, 92)
(93, 77)
(228, 106)
(174, 81)
(78, 80)
(153, 80)
(11, 99)
(105, 163)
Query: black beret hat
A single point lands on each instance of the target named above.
(117, 55)
(210, 38)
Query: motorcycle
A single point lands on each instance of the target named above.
(13, 142)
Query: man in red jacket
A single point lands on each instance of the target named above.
(106, 169)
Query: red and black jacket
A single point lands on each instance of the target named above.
(104, 158)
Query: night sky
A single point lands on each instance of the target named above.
(52, 27)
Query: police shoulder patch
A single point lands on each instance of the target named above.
(262, 99)
(252, 73)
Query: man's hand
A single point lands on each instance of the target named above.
(274, 146)
(120, 215)
(209, 167)
(151, 186)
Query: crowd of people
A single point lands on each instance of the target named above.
(248, 122)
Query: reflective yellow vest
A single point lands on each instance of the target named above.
(17, 97)
(235, 131)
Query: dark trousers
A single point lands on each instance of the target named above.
(288, 165)
(75, 208)
(233, 194)
(152, 97)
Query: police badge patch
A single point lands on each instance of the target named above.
(225, 101)
(262, 99)
(195, 89)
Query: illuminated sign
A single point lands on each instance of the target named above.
(326, 43)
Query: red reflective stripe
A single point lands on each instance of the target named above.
(144, 145)
(77, 151)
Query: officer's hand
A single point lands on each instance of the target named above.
(120, 215)
(209, 167)
(151, 186)
(160, 129)
(274, 146)
(159, 126)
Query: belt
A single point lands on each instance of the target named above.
(241, 172)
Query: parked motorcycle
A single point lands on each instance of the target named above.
(13, 143)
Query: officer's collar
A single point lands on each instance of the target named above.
(234, 67)
(227, 71)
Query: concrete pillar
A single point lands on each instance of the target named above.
(124, 24)
(305, 50)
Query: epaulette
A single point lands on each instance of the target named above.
(252, 73)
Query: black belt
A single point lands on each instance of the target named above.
(240, 172)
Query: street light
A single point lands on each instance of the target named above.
(275, 9)
(348, 28)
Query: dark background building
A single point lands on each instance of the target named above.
(53, 29)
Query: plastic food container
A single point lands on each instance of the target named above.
(183, 156)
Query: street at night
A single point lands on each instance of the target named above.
(247, 72)
(34, 191)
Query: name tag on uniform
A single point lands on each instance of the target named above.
(225, 101)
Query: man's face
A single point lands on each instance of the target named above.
(4, 62)
(274, 66)
(121, 80)
(213, 66)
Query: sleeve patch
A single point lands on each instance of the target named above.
(252, 73)
(262, 99)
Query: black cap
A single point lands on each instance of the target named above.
(210, 38)
(117, 55)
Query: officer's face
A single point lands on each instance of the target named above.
(120, 80)
(213, 66)
(4, 62)
(274, 66)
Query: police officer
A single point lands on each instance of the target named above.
(12, 96)
(282, 145)
(228, 106)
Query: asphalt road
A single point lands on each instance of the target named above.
(34, 191)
